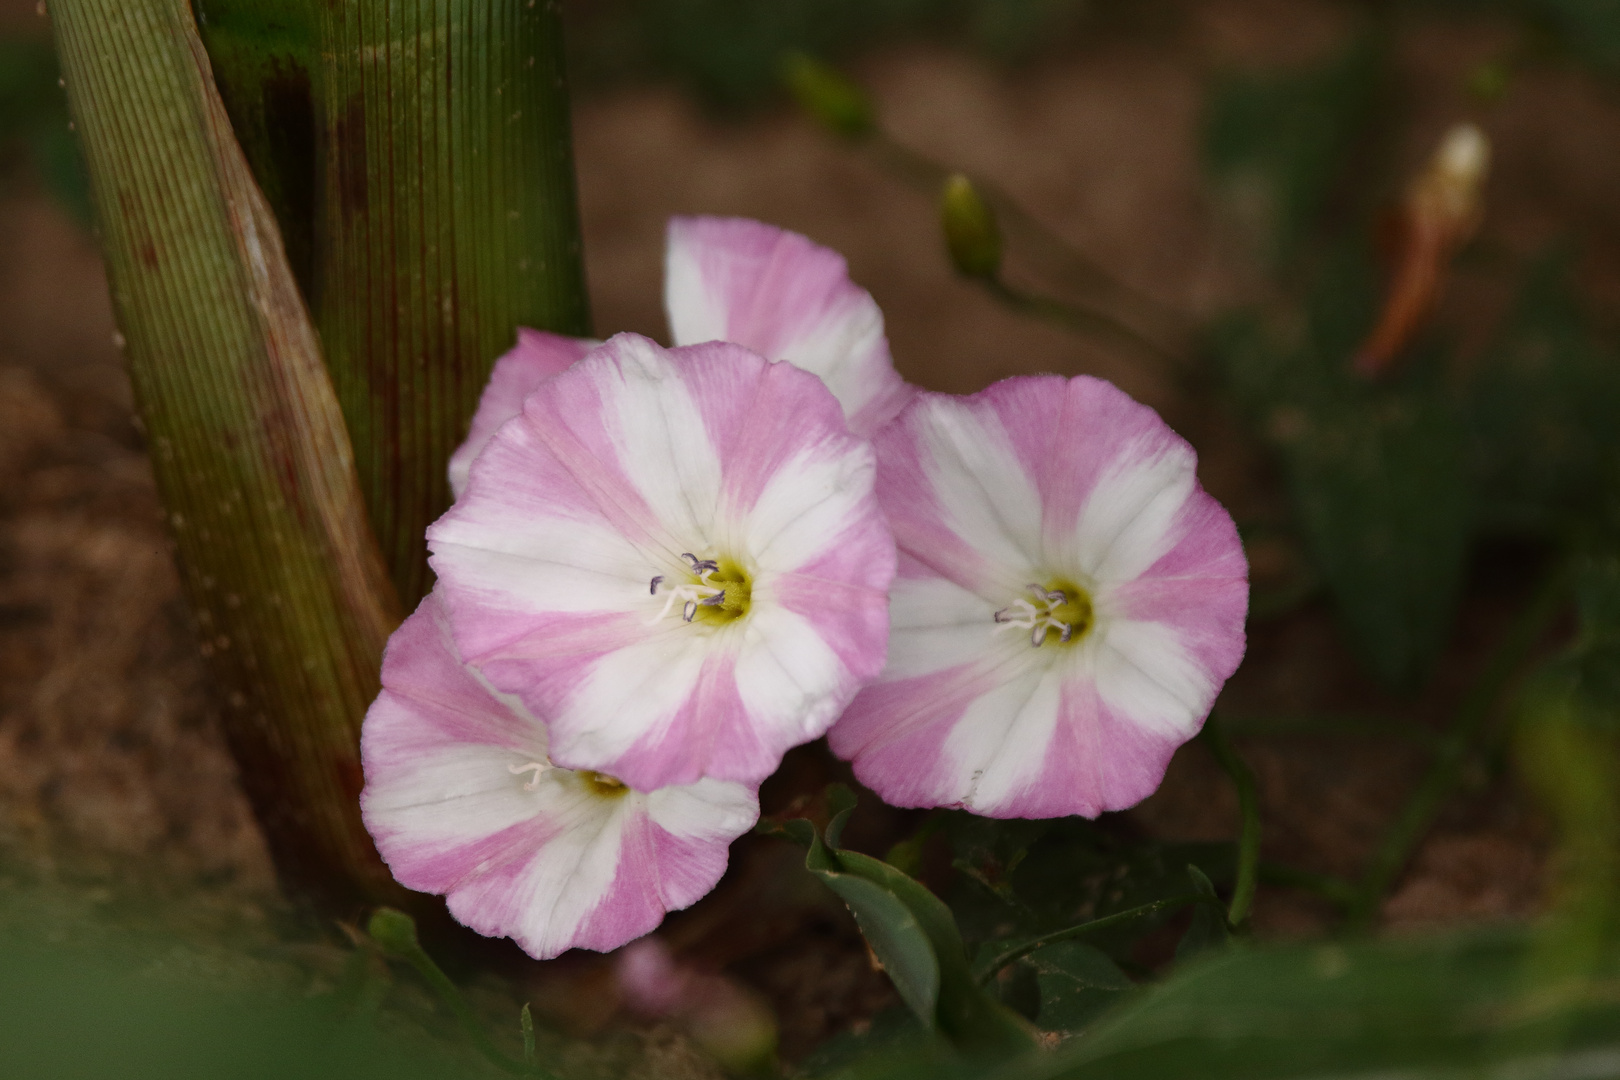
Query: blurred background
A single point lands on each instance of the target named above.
(1223, 178)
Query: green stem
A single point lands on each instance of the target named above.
(1469, 721)
(1107, 922)
(1082, 320)
(1056, 254)
(253, 464)
(1335, 890)
(1214, 736)
(396, 935)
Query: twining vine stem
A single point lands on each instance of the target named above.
(1107, 922)
(1248, 869)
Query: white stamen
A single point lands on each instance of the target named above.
(1036, 616)
(692, 594)
(539, 768)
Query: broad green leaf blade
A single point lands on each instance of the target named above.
(1208, 931)
(1275, 143)
(900, 916)
(1381, 485)
(896, 938)
(252, 459)
(1542, 406)
(1428, 1009)
(1078, 982)
(1383, 496)
(967, 1015)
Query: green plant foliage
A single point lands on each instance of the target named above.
(1077, 983)
(913, 934)
(1019, 881)
(1542, 408)
(1583, 680)
(1208, 931)
(88, 992)
(1379, 474)
(1429, 1008)
(1276, 144)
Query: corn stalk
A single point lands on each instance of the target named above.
(418, 155)
(290, 592)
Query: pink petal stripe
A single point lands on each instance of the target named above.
(711, 734)
(537, 357)
(906, 491)
(434, 699)
(522, 854)
(545, 562)
(760, 415)
(852, 619)
(1070, 432)
(894, 733)
(1096, 761)
(776, 292)
(1117, 495)
(633, 904)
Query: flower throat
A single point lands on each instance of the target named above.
(1058, 613)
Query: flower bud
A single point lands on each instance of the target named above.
(1440, 212)
(971, 233)
(393, 930)
(835, 100)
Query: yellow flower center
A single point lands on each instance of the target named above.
(602, 785)
(715, 591)
(1057, 614)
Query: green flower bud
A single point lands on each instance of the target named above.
(836, 101)
(394, 931)
(971, 233)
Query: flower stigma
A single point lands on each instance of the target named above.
(1059, 613)
(538, 768)
(716, 591)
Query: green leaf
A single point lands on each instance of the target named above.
(915, 937)
(1541, 407)
(897, 940)
(1427, 1009)
(1379, 477)
(840, 805)
(1021, 880)
(1208, 930)
(1276, 143)
(1077, 983)
(1381, 488)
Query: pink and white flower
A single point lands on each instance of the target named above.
(787, 298)
(1068, 605)
(732, 279)
(462, 800)
(675, 558)
(537, 356)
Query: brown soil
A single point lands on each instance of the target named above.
(111, 768)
